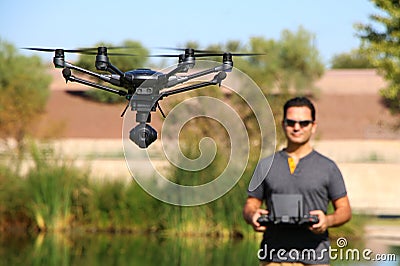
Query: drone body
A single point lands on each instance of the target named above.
(143, 88)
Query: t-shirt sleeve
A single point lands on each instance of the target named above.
(336, 186)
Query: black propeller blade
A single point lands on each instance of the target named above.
(207, 54)
(188, 51)
(185, 49)
(88, 51)
(233, 54)
(200, 53)
(83, 50)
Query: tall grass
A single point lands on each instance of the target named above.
(55, 188)
(57, 196)
(13, 197)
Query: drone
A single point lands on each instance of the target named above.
(143, 87)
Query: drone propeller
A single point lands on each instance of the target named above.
(88, 51)
(82, 50)
(185, 49)
(233, 54)
(201, 53)
(188, 52)
(204, 53)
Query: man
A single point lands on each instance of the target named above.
(298, 169)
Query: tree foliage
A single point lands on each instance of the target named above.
(381, 40)
(353, 59)
(24, 86)
(290, 64)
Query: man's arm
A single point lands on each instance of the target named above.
(252, 211)
(341, 215)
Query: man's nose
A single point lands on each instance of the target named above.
(297, 126)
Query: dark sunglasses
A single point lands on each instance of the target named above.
(302, 123)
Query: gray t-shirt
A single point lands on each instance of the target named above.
(318, 180)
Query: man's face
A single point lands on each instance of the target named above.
(298, 125)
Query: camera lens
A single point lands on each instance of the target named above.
(143, 135)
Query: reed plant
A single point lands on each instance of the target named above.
(118, 206)
(221, 217)
(13, 198)
(55, 195)
(54, 187)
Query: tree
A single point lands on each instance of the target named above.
(382, 42)
(354, 59)
(24, 88)
(290, 64)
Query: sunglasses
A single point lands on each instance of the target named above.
(302, 123)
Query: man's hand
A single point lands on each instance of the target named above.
(341, 215)
(252, 211)
(256, 226)
(322, 225)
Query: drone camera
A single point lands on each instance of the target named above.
(143, 135)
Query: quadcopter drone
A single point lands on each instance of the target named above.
(143, 87)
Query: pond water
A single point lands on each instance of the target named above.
(120, 249)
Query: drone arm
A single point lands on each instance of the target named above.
(114, 70)
(216, 80)
(188, 88)
(112, 79)
(178, 80)
(69, 77)
(182, 67)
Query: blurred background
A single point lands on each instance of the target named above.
(66, 194)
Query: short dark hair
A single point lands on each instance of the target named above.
(299, 102)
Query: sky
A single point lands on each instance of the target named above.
(73, 24)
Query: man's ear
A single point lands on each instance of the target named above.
(314, 127)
